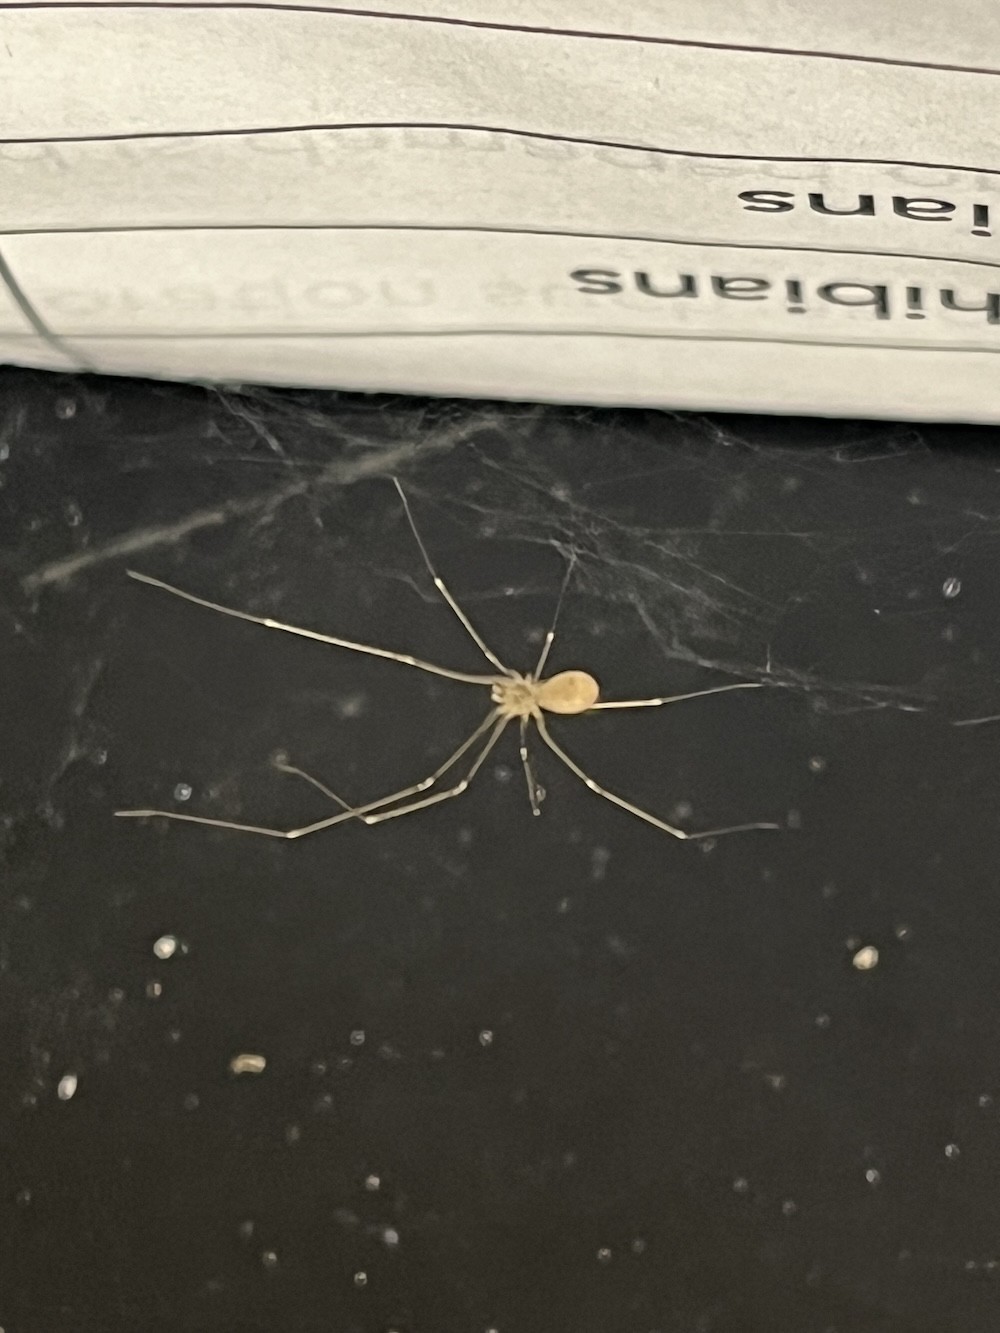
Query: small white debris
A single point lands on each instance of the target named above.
(951, 587)
(604, 1255)
(358, 1037)
(247, 1064)
(165, 947)
(361, 1279)
(67, 1087)
(872, 1176)
(269, 1259)
(486, 1037)
(599, 860)
(952, 1151)
(373, 1183)
(390, 1237)
(865, 959)
(183, 791)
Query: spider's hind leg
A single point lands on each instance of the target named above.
(536, 793)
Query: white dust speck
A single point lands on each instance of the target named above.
(67, 1087)
(866, 958)
(741, 1185)
(822, 1021)
(358, 1037)
(638, 1246)
(903, 932)
(599, 859)
(269, 1259)
(373, 1183)
(952, 1151)
(191, 1102)
(165, 947)
(502, 773)
(154, 989)
(789, 1208)
(817, 764)
(247, 1064)
(183, 791)
(390, 1237)
(777, 1082)
(984, 1101)
(352, 705)
(246, 1229)
(65, 408)
(361, 1279)
(951, 587)
(873, 1177)
(486, 1037)
(604, 1255)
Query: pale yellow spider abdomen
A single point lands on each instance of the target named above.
(568, 692)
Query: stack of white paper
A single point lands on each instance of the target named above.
(705, 203)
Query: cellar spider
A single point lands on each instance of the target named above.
(526, 697)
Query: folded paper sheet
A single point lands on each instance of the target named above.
(729, 204)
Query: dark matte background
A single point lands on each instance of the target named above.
(600, 1081)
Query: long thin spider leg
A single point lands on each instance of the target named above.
(353, 812)
(575, 768)
(268, 623)
(439, 584)
(676, 698)
(976, 721)
(529, 776)
(284, 767)
(452, 791)
(551, 634)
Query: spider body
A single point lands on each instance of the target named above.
(525, 697)
(568, 692)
